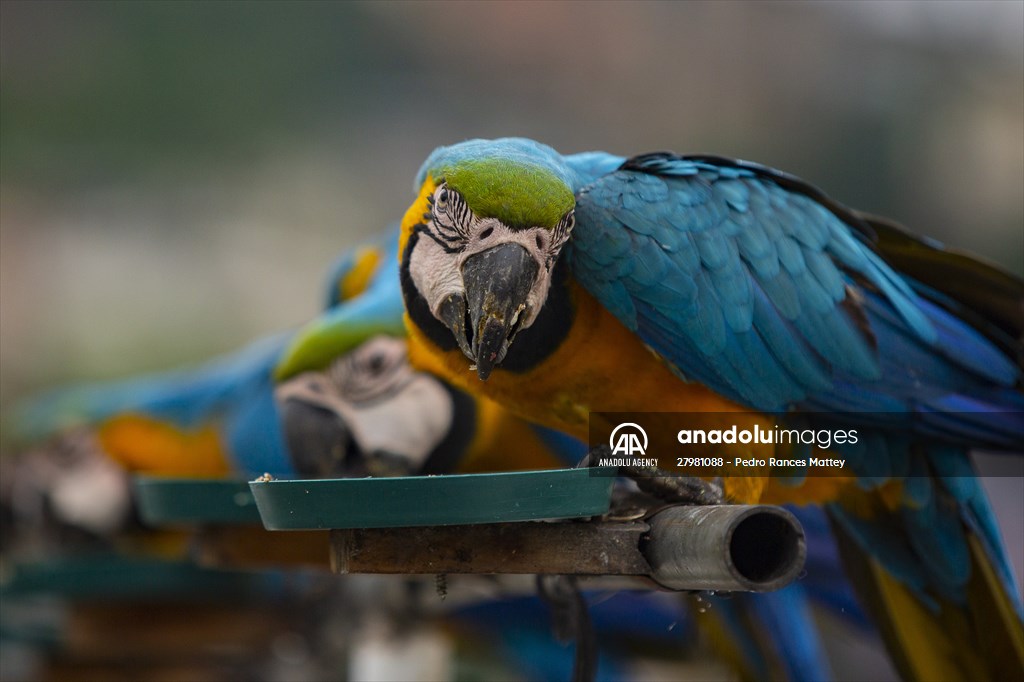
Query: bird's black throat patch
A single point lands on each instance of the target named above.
(449, 452)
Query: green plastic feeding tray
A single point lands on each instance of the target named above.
(433, 500)
(171, 501)
(110, 576)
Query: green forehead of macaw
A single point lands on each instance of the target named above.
(519, 194)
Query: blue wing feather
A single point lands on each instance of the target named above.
(185, 397)
(721, 251)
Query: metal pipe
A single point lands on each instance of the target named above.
(713, 547)
(754, 548)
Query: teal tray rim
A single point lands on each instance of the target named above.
(277, 499)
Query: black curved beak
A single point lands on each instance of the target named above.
(453, 314)
(497, 283)
(318, 440)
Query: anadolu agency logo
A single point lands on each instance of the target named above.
(628, 443)
(626, 440)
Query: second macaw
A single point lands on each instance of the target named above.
(563, 286)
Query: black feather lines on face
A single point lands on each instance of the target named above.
(448, 225)
(559, 238)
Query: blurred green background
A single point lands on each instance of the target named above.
(175, 178)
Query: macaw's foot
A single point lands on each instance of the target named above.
(674, 488)
(570, 621)
(664, 485)
(593, 456)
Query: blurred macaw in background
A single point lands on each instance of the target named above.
(563, 286)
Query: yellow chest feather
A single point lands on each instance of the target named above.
(603, 367)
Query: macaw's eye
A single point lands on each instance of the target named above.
(570, 220)
(376, 364)
(441, 202)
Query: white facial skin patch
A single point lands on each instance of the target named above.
(410, 424)
(437, 274)
(388, 408)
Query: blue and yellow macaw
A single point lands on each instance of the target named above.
(563, 286)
